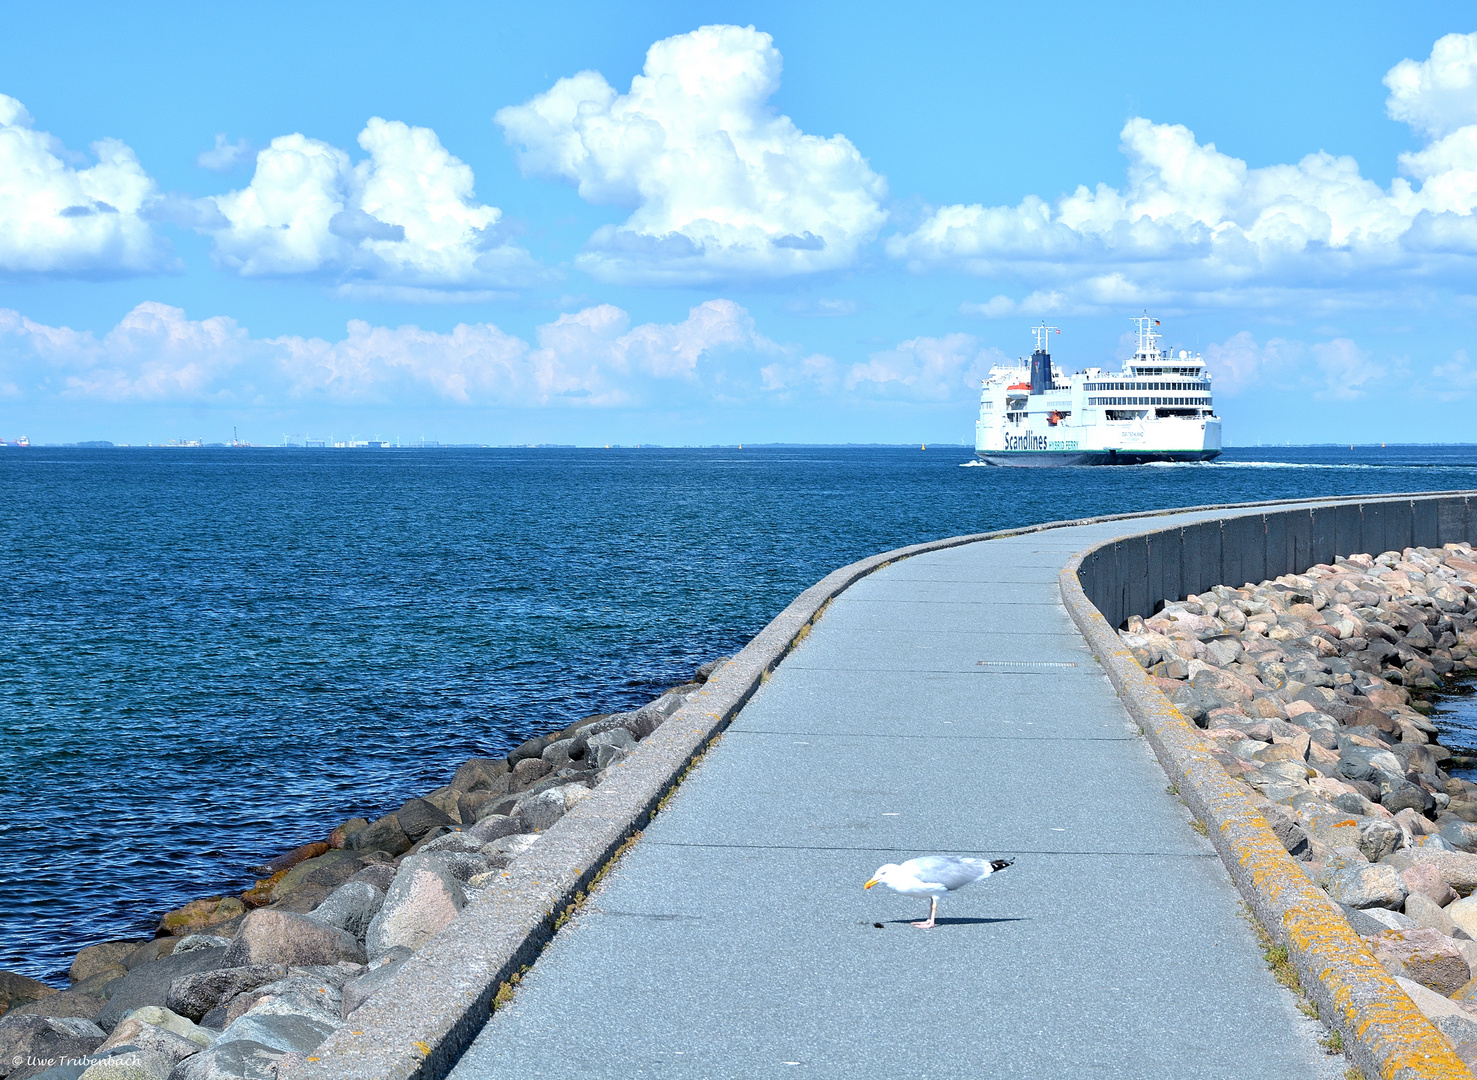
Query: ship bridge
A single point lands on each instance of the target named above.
(1153, 383)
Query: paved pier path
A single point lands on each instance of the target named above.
(944, 704)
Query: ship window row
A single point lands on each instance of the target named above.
(1125, 387)
(1145, 401)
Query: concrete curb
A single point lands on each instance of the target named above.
(417, 1027)
(1384, 1034)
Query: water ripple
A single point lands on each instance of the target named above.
(210, 656)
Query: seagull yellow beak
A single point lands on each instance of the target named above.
(869, 884)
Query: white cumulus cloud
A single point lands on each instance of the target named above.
(721, 184)
(931, 369)
(1437, 95)
(1193, 222)
(59, 220)
(593, 357)
(1334, 370)
(405, 216)
(154, 353)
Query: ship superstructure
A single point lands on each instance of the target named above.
(1157, 408)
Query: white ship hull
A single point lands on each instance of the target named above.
(1053, 459)
(1121, 442)
(1157, 408)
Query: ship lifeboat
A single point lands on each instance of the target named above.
(1024, 387)
(1053, 418)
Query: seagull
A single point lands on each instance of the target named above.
(932, 876)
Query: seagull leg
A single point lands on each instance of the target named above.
(933, 909)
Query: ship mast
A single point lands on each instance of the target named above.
(1148, 337)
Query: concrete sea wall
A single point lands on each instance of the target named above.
(1133, 574)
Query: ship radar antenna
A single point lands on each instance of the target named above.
(1043, 332)
(1148, 336)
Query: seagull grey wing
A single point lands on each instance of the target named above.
(948, 871)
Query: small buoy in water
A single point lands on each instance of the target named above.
(922, 446)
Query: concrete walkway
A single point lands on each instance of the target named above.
(943, 705)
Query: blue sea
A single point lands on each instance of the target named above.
(208, 657)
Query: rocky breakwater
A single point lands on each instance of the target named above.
(237, 987)
(1312, 690)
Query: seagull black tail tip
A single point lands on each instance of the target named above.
(1000, 864)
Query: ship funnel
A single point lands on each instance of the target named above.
(1040, 371)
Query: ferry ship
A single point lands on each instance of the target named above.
(1157, 408)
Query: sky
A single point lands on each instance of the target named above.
(699, 223)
